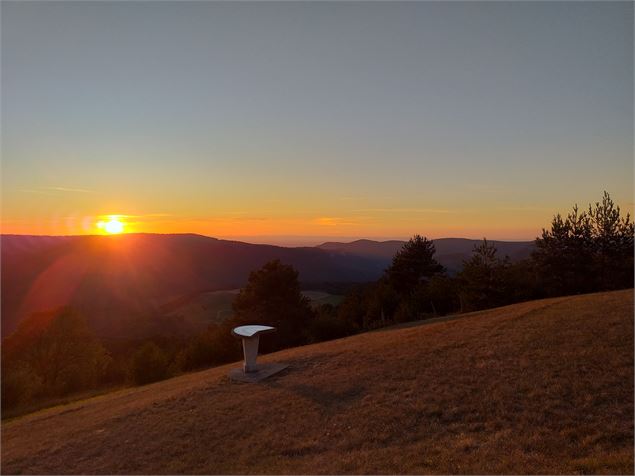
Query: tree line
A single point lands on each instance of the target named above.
(581, 252)
(55, 355)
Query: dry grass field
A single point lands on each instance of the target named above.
(538, 387)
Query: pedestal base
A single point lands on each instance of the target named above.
(263, 371)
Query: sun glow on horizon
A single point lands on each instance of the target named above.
(111, 226)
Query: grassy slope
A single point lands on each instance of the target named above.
(538, 387)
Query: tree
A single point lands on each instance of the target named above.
(613, 239)
(482, 279)
(272, 297)
(442, 295)
(414, 264)
(352, 309)
(522, 282)
(586, 251)
(61, 351)
(381, 303)
(564, 254)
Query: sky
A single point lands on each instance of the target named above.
(298, 122)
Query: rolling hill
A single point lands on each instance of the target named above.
(122, 283)
(125, 283)
(538, 387)
(450, 252)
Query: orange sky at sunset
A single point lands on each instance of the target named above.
(288, 227)
(327, 121)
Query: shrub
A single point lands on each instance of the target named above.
(327, 325)
(405, 312)
(214, 346)
(19, 386)
(149, 364)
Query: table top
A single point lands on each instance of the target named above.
(251, 331)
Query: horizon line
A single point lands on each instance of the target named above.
(317, 239)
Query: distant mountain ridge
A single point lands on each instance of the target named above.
(450, 252)
(118, 280)
(122, 283)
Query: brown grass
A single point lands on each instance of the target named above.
(539, 387)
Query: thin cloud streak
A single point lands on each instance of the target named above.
(47, 190)
(526, 209)
(72, 190)
(405, 210)
(334, 221)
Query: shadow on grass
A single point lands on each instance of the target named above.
(327, 399)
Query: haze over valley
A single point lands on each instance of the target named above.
(133, 284)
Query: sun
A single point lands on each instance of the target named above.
(112, 226)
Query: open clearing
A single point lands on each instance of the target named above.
(539, 387)
(216, 306)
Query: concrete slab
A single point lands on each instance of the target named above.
(263, 371)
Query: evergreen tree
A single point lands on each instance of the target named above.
(586, 251)
(613, 245)
(272, 297)
(482, 279)
(413, 265)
